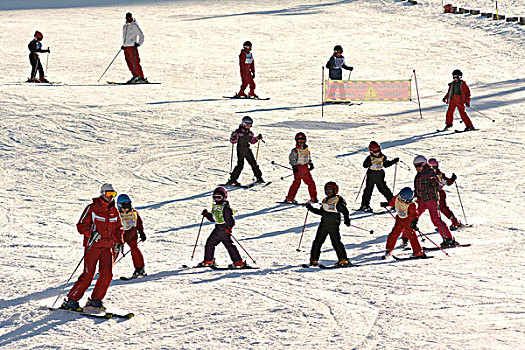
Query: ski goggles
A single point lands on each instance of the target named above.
(125, 205)
(110, 193)
(456, 77)
(419, 165)
(218, 197)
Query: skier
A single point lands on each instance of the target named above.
(335, 63)
(103, 236)
(35, 46)
(247, 67)
(130, 32)
(444, 180)
(301, 163)
(243, 137)
(406, 221)
(132, 225)
(222, 215)
(426, 185)
(332, 208)
(458, 95)
(375, 175)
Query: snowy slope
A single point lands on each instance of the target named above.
(167, 147)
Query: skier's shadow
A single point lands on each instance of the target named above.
(186, 101)
(233, 274)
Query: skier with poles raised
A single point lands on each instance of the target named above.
(35, 46)
(336, 64)
(243, 137)
(332, 208)
(247, 68)
(133, 228)
(445, 181)
(130, 32)
(375, 175)
(301, 163)
(103, 237)
(458, 96)
(223, 217)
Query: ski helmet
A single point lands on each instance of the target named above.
(123, 198)
(331, 186)
(300, 136)
(420, 160)
(406, 194)
(457, 73)
(338, 48)
(247, 121)
(374, 146)
(39, 35)
(220, 194)
(247, 43)
(433, 162)
(108, 190)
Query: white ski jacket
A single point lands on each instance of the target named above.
(130, 31)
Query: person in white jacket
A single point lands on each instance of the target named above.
(131, 32)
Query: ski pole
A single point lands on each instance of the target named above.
(282, 166)
(301, 239)
(417, 91)
(484, 115)
(364, 229)
(242, 248)
(123, 255)
(395, 173)
(349, 74)
(257, 154)
(76, 268)
(284, 177)
(110, 63)
(364, 178)
(198, 234)
(47, 60)
(231, 160)
(322, 94)
(457, 188)
(421, 233)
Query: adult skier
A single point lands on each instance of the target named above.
(375, 175)
(458, 96)
(247, 67)
(131, 32)
(243, 137)
(332, 208)
(133, 228)
(35, 46)
(301, 163)
(103, 236)
(336, 64)
(223, 217)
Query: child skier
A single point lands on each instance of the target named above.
(247, 67)
(133, 227)
(445, 181)
(458, 95)
(243, 137)
(35, 46)
(332, 208)
(301, 163)
(335, 63)
(406, 221)
(375, 175)
(222, 215)
(426, 188)
(103, 236)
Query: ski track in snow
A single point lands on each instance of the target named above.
(167, 147)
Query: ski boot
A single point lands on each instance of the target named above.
(231, 182)
(312, 201)
(139, 272)
(387, 255)
(314, 262)
(253, 96)
(71, 304)
(420, 256)
(240, 95)
(43, 80)
(292, 201)
(470, 128)
(206, 263)
(449, 242)
(343, 262)
(239, 264)
(455, 224)
(448, 126)
(259, 180)
(96, 304)
(365, 208)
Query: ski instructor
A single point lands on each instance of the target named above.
(130, 32)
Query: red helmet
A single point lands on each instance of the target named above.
(433, 162)
(374, 146)
(222, 191)
(331, 186)
(300, 136)
(39, 36)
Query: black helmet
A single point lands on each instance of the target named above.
(457, 73)
(39, 35)
(220, 194)
(331, 186)
(300, 136)
(338, 48)
(247, 43)
(247, 121)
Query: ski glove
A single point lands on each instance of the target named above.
(137, 44)
(453, 177)
(311, 166)
(119, 249)
(142, 236)
(351, 69)
(413, 224)
(467, 104)
(228, 230)
(295, 169)
(48, 51)
(383, 204)
(95, 236)
(395, 160)
(122, 47)
(253, 75)
(309, 206)
(444, 100)
(205, 212)
(259, 137)
(347, 221)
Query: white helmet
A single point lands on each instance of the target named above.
(105, 188)
(420, 159)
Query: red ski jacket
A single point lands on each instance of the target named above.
(465, 93)
(104, 218)
(246, 62)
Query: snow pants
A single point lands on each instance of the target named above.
(443, 207)
(219, 235)
(136, 254)
(375, 178)
(457, 101)
(304, 175)
(104, 258)
(131, 53)
(403, 227)
(247, 79)
(432, 207)
(36, 65)
(335, 237)
(243, 153)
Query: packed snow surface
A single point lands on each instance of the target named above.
(167, 147)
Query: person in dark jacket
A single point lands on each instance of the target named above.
(247, 68)
(458, 96)
(332, 208)
(243, 137)
(35, 46)
(222, 215)
(336, 64)
(375, 175)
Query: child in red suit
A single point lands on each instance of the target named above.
(133, 228)
(301, 163)
(247, 67)
(458, 96)
(444, 180)
(406, 221)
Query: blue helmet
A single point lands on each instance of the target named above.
(406, 194)
(123, 198)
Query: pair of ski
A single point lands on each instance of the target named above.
(253, 184)
(236, 97)
(143, 83)
(427, 249)
(98, 313)
(216, 267)
(132, 277)
(335, 266)
(456, 131)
